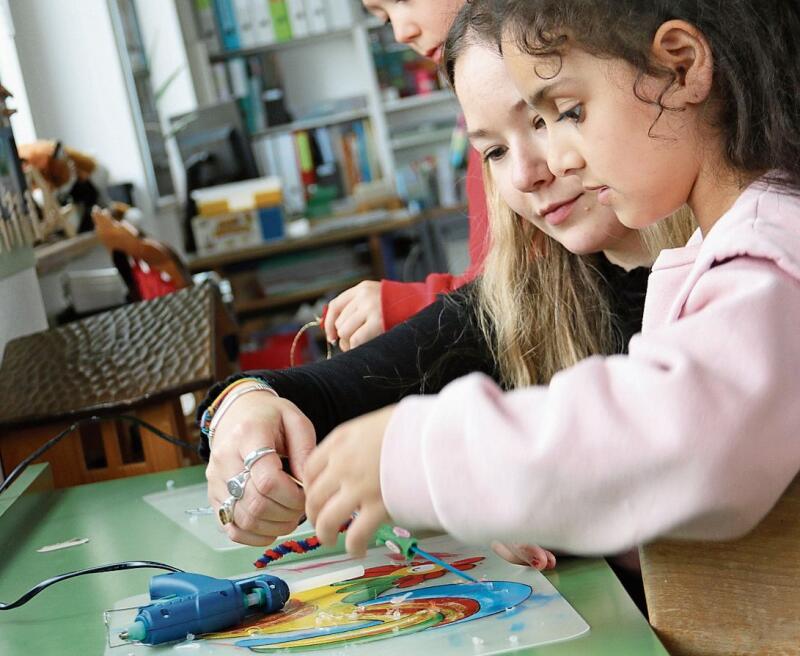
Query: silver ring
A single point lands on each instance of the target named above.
(226, 511)
(255, 456)
(237, 483)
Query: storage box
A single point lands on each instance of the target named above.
(238, 215)
(238, 196)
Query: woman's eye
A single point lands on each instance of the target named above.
(494, 154)
(573, 114)
(538, 123)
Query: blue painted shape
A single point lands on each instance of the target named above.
(492, 599)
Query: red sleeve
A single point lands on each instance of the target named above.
(401, 300)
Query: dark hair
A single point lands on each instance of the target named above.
(756, 88)
(473, 25)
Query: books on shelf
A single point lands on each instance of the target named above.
(207, 25)
(298, 20)
(229, 25)
(264, 27)
(317, 16)
(280, 17)
(339, 156)
(430, 181)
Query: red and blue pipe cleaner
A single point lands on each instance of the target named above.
(292, 546)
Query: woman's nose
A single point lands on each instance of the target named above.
(530, 173)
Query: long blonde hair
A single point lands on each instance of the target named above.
(543, 308)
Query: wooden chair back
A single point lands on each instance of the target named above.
(738, 597)
(117, 235)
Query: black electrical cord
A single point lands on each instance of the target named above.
(114, 567)
(81, 422)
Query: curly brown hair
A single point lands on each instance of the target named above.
(756, 88)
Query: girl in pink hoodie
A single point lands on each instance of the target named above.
(693, 434)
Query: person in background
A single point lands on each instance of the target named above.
(369, 308)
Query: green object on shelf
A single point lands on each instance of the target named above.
(319, 201)
(280, 20)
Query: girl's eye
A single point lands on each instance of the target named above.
(573, 114)
(538, 123)
(494, 154)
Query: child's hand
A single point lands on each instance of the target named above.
(355, 316)
(342, 476)
(525, 554)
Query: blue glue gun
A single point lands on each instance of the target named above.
(183, 603)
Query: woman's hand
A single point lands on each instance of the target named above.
(273, 503)
(342, 476)
(525, 554)
(355, 316)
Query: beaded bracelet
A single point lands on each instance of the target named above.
(228, 402)
(208, 415)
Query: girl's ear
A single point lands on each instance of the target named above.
(683, 49)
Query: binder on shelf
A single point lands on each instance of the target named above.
(372, 152)
(298, 20)
(445, 178)
(280, 19)
(317, 16)
(263, 24)
(294, 192)
(228, 27)
(207, 25)
(267, 157)
(340, 14)
(237, 70)
(257, 113)
(365, 173)
(304, 158)
(247, 32)
(323, 138)
(220, 72)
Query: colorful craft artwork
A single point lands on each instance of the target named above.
(398, 608)
(359, 611)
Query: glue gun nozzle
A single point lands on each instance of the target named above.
(124, 635)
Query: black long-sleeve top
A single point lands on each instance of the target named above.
(420, 356)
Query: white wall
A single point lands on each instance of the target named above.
(75, 85)
(21, 308)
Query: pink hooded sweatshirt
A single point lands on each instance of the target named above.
(694, 434)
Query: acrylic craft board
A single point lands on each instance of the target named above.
(409, 609)
(185, 505)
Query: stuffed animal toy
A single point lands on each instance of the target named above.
(62, 174)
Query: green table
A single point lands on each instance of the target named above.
(67, 618)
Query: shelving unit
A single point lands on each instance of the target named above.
(316, 122)
(334, 65)
(420, 100)
(309, 293)
(336, 70)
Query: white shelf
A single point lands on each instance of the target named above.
(420, 100)
(281, 45)
(315, 122)
(421, 138)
